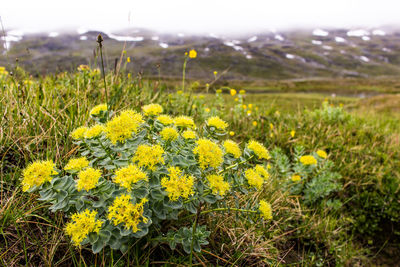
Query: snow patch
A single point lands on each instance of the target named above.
(155, 38)
(340, 39)
(364, 58)
(290, 56)
(378, 32)
(125, 38)
(357, 33)
(279, 37)
(252, 39)
(365, 38)
(53, 34)
(249, 57)
(164, 45)
(386, 49)
(327, 47)
(83, 38)
(316, 42)
(206, 49)
(181, 35)
(319, 32)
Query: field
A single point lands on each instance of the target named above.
(345, 212)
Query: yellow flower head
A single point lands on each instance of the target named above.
(258, 149)
(292, 133)
(233, 148)
(322, 154)
(233, 92)
(83, 67)
(123, 126)
(296, 178)
(215, 73)
(149, 156)
(128, 59)
(231, 133)
(81, 225)
(217, 123)
(210, 154)
(262, 171)
(38, 173)
(253, 178)
(236, 99)
(250, 106)
(242, 92)
(218, 185)
(207, 110)
(308, 160)
(189, 134)
(169, 134)
(218, 91)
(128, 176)
(76, 164)
(254, 123)
(94, 131)
(152, 109)
(123, 211)
(165, 119)
(244, 107)
(79, 133)
(266, 210)
(88, 179)
(184, 121)
(98, 109)
(192, 53)
(177, 185)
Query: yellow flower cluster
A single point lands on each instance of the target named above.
(165, 119)
(81, 225)
(37, 173)
(83, 67)
(76, 164)
(123, 126)
(254, 178)
(308, 160)
(192, 53)
(79, 133)
(169, 134)
(152, 109)
(218, 185)
(233, 148)
(210, 154)
(177, 185)
(258, 149)
(184, 121)
(98, 109)
(266, 210)
(94, 131)
(3, 71)
(189, 134)
(123, 211)
(128, 176)
(149, 156)
(217, 123)
(88, 179)
(296, 178)
(242, 92)
(233, 92)
(322, 154)
(262, 171)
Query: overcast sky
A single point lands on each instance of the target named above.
(197, 16)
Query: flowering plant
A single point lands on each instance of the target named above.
(139, 169)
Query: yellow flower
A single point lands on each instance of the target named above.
(189, 134)
(210, 154)
(192, 53)
(83, 67)
(152, 109)
(271, 126)
(233, 92)
(262, 171)
(244, 107)
(249, 113)
(236, 99)
(123, 126)
(271, 135)
(79, 133)
(218, 91)
(296, 178)
(308, 160)
(169, 134)
(128, 59)
(233, 148)
(258, 149)
(165, 119)
(253, 178)
(81, 225)
(38, 173)
(217, 123)
(149, 156)
(98, 109)
(242, 92)
(207, 110)
(292, 133)
(266, 210)
(180, 92)
(231, 133)
(250, 106)
(184, 121)
(94, 131)
(218, 185)
(123, 211)
(322, 154)
(254, 123)
(215, 73)
(128, 176)
(88, 179)
(77, 164)
(177, 185)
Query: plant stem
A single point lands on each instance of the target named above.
(193, 233)
(100, 40)
(234, 165)
(183, 74)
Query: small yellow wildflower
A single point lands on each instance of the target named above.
(165, 119)
(253, 178)
(236, 99)
(38, 173)
(322, 154)
(233, 148)
(81, 225)
(258, 149)
(128, 176)
(207, 110)
(262, 171)
(254, 123)
(128, 59)
(76, 164)
(296, 178)
(98, 109)
(169, 134)
(184, 121)
(218, 91)
(177, 185)
(79, 133)
(152, 109)
(231, 133)
(266, 210)
(83, 67)
(233, 92)
(242, 92)
(218, 185)
(292, 133)
(189, 134)
(250, 106)
(210, 154)
(248, 112)
(149, 156)
(94, 131)
(192, 53)
(244, 107)
(123, 126)
(88, 179)
(308, 160)
(217, 123)
(271, 126)
(179, 92)
(215, 73)
(271, 135)
(123, 211)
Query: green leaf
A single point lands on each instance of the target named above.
(98, 246)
